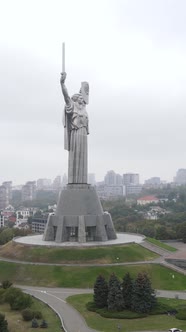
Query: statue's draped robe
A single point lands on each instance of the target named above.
(76, 130)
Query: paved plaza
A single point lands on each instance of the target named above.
(121, 239)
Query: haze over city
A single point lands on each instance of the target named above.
(133, 55)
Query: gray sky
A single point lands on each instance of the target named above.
(132, 53)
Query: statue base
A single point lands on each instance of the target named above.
(79, 217)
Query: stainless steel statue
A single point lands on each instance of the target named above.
(79, 216)
(76, 130)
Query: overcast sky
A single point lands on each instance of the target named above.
(132, 53)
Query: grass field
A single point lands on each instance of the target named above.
(84, 277)
(160, 244)
(101, 255)
(16, 323)
(95, 321)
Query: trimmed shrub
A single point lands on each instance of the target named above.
(27, 314)
(161, 308)
(125, 314)
(181, 314)
(91, 306)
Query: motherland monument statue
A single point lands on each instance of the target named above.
(79, 216)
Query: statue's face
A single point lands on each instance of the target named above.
(80, 100)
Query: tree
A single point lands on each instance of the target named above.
(161, 233)
(181, 231)
(3, 323)
(127, 290)
(143, 297)
(17, 299)
(27, 314)
(100, 292)
(6, 235)
(115, 298)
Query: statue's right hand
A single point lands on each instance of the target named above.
(63, 77)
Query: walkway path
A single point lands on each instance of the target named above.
(164, 253)
(72, 321)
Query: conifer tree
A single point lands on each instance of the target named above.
(100, 292)
(35, 323)
(127, 290)
(143, 298)
(115, 298)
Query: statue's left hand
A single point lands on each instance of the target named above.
(63, 77)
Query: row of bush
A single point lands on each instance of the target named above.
(181, 314)
(160, 309)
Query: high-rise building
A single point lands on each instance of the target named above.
(119, 180)
(130, 179)
(180, 177)
(43, 184)
(131, 183)
(5, 194)
(4, 201)
(57, 183)
(110, 192)
(8, 185)
(154, 181)
(133, 189)
(110, 178)
(28, 191)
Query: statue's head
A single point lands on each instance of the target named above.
(83, 96)
(78, 99)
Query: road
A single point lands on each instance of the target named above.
(71, 320)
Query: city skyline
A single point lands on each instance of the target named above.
(114, 185)
(177, 178)
(134, 60)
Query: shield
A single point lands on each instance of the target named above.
(85, 91)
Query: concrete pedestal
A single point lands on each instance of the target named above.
(79, 217)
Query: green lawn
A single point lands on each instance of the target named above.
(160, 244)
(108, 254)
(95, 321)
(16, 323)
(84, 277)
